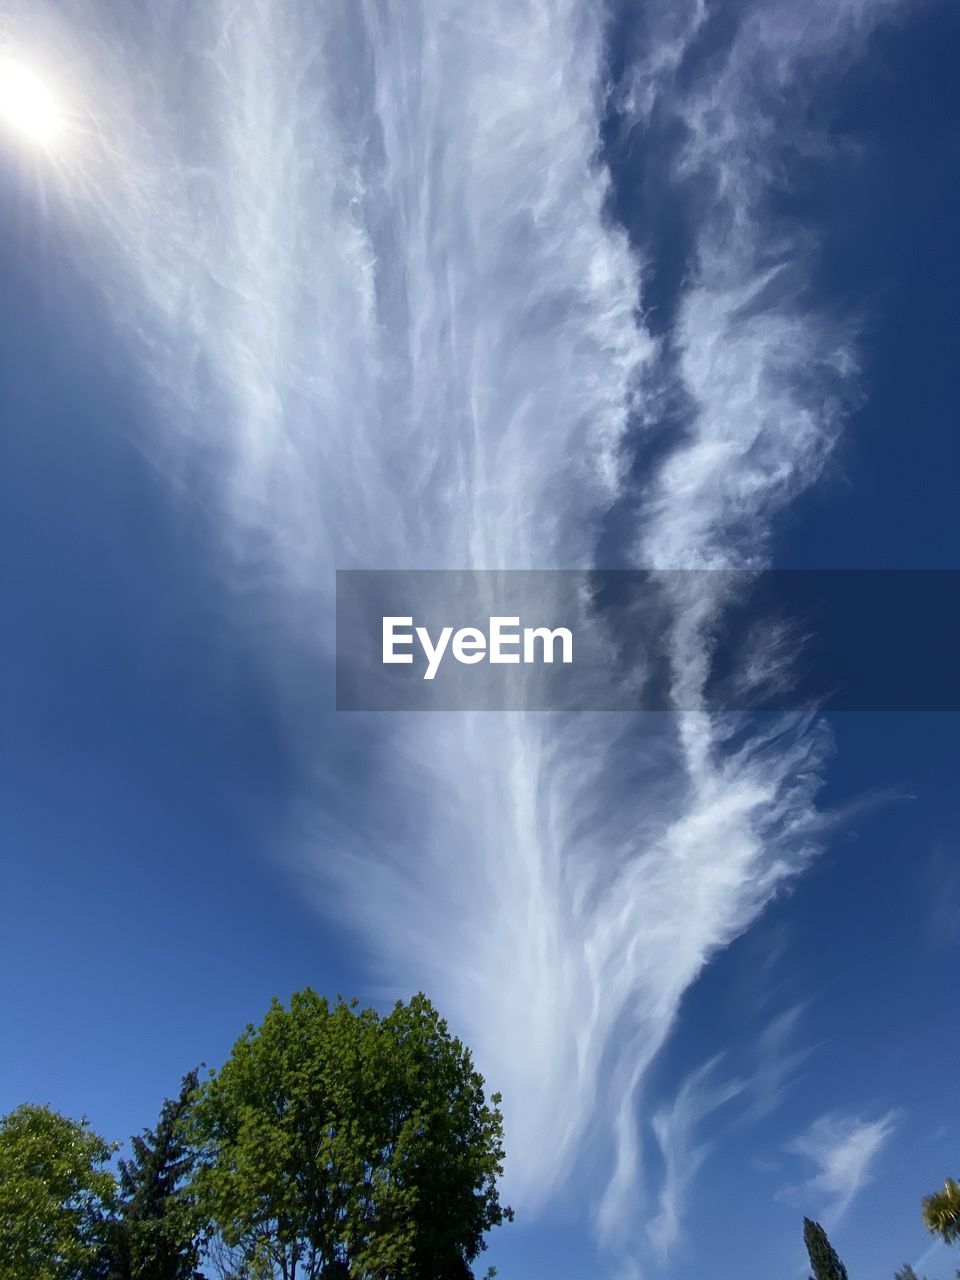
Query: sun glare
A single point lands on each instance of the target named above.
(27, 104)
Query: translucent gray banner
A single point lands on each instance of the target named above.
(631, 640)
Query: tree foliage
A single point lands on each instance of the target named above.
(55, 1196)
(155, 1236)
(341, 1143)
(824, 1262)
(941, 1211)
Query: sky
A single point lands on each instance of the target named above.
(296, 288)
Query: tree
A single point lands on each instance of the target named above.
(824, 1262)
(338, 1143)
(906, 1272)
(55, 1196)
(941, 1211)
(156, 1233)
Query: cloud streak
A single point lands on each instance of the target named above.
(679, 1125)
(843, 1148)
(675, 1130)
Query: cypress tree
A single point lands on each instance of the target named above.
(824, 1262)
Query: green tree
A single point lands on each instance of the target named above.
(338, 1143)
(156, 1233)
(55, 1196)
(941, 1211)
(824, 1263)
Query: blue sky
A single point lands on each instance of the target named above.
(542, 284)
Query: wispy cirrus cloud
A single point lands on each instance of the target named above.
(680, 1126)
(778, 1062)
(683, 1152)
(366, 257)
(766, 379)
(843, 1148)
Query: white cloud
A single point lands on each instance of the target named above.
(675, 1128)
(678, 1125)
(843, 1149)
(777, 1064)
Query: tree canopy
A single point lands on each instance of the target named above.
(156, 1233)
(941, 1211)
(55, 1196)
(333, 1144)
(337, 1142)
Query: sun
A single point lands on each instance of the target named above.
(27, 105)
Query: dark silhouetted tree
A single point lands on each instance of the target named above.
(824, 1263)
(156, 1233)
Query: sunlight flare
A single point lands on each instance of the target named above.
(27, 104)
